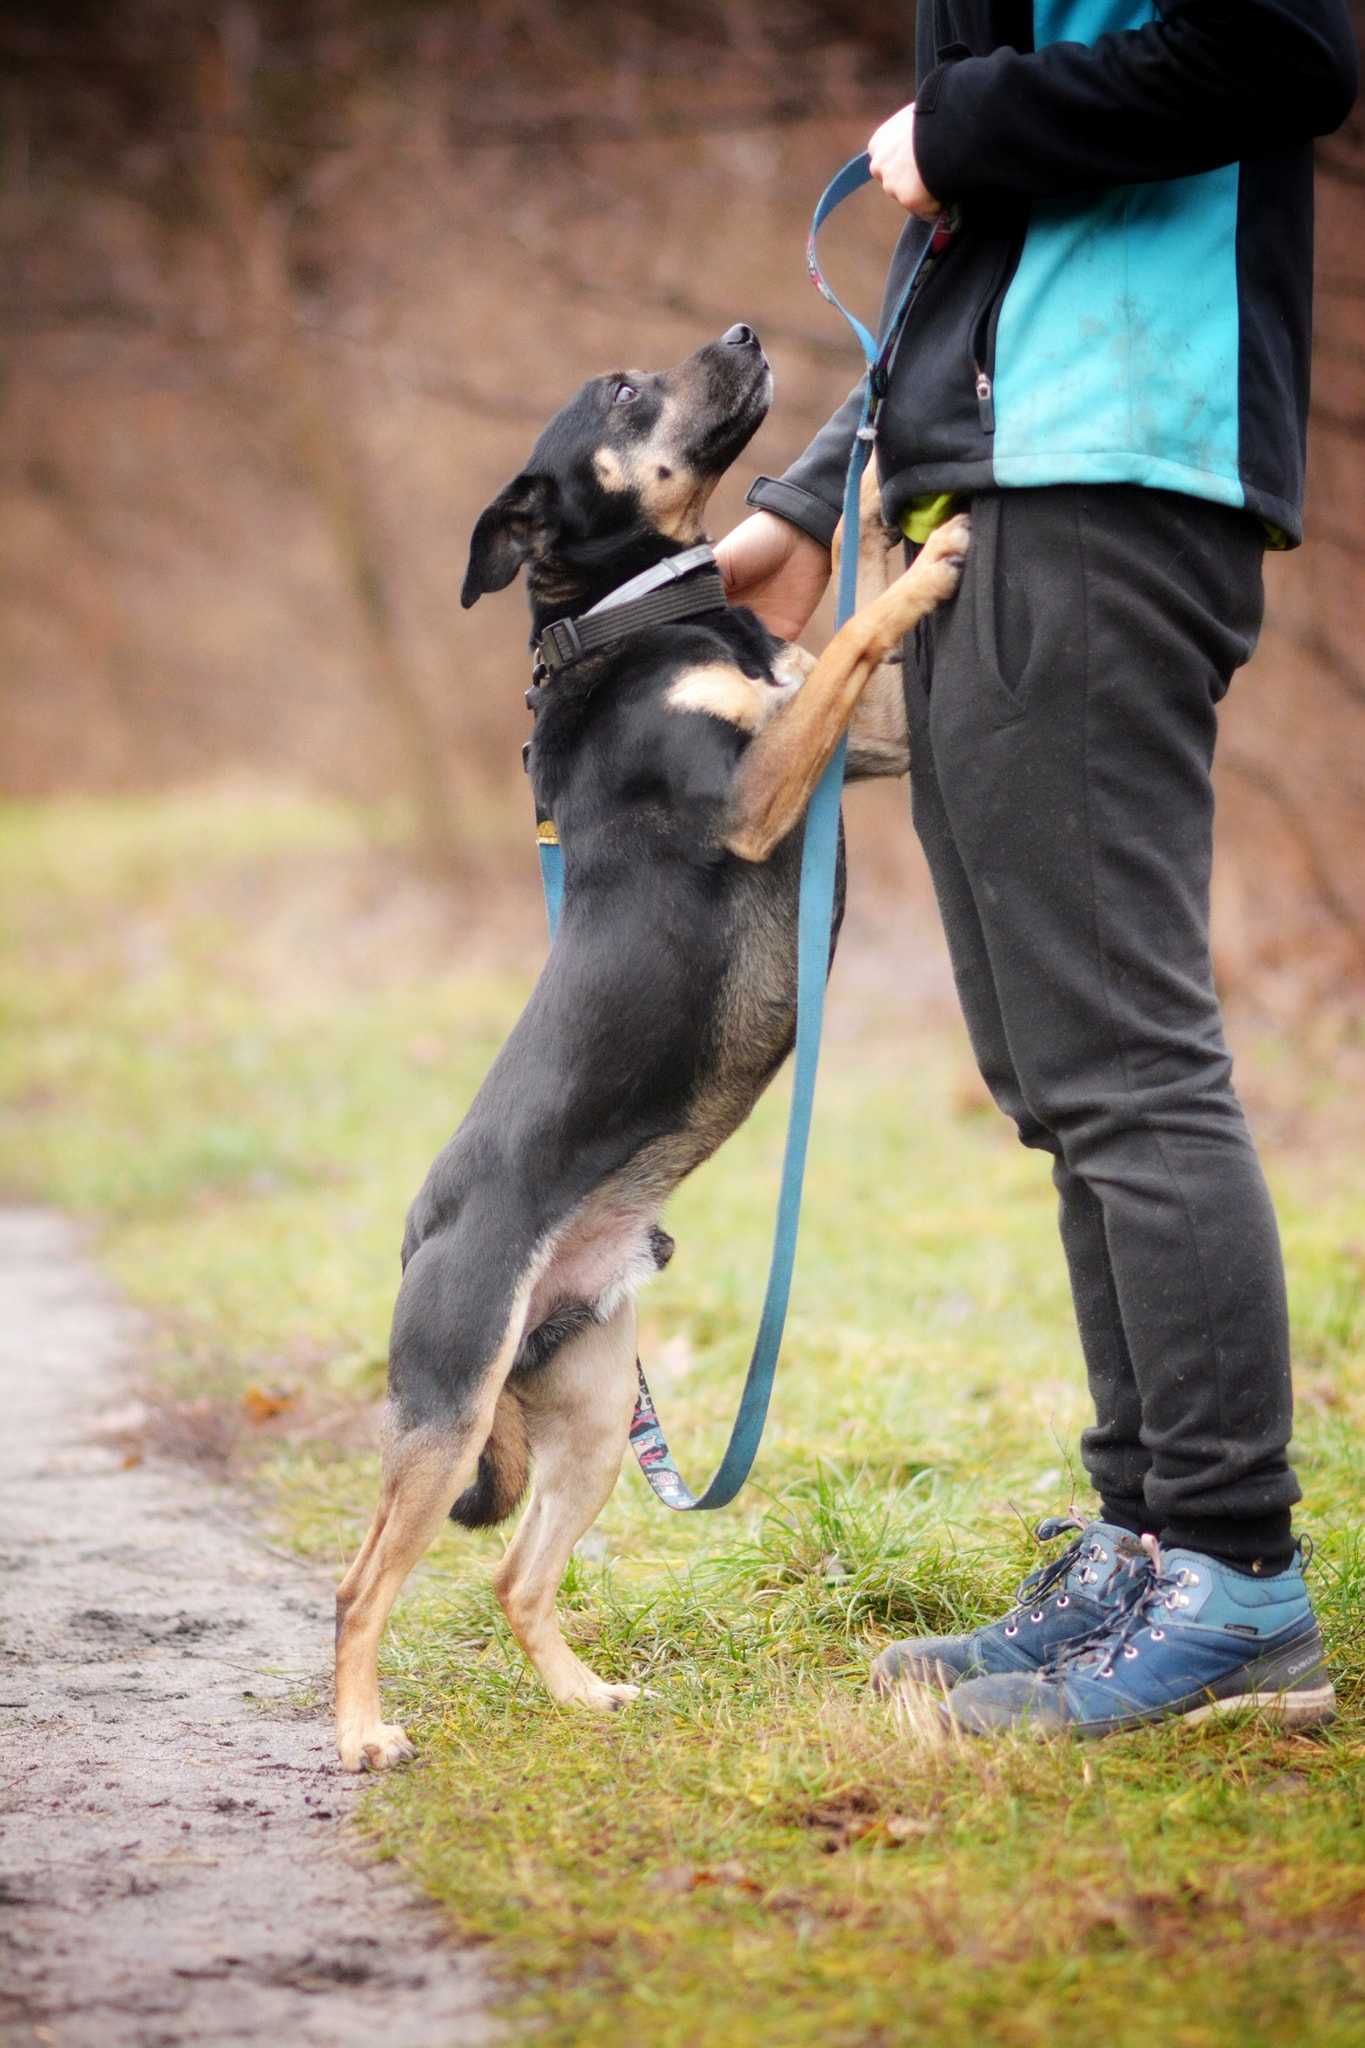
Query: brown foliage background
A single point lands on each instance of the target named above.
(289, 289)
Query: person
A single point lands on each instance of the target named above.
(1107, 362)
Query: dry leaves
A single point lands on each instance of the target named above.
(263, 1404)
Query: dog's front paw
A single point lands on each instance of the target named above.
(600, 1698)
(941, 559)
(609, 1699)
(376, 1748)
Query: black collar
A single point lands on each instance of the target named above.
(677, 588)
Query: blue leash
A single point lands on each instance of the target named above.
(819, 865)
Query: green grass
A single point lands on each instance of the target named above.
(222, 1054)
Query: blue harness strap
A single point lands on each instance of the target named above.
(819, 867)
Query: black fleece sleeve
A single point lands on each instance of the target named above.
(811, 494)
(1210, 82)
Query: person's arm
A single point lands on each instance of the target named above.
(811, 493)
(776, 569)
(778, 559)
(1207, 83)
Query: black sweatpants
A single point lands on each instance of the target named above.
(1062, 718)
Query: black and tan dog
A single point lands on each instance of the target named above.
(676, 764)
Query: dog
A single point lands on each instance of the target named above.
(676, 764)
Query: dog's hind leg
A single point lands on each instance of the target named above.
(422, 1473)
(440, 1415)
(578, 1411)
(878, 733)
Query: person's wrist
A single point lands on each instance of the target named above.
(894, 162)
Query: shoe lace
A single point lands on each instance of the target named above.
(1154, 1590)
(1045, 1578)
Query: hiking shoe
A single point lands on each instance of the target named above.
(1056, 1603)
(1191, 1637)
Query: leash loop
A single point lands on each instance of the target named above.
(815, 914)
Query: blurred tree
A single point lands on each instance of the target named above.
(256, 245)
(290, 286)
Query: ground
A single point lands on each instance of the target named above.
(242, 1031)
(175, 1864)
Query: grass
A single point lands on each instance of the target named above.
(225, 1053)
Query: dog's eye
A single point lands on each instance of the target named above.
(626, 394)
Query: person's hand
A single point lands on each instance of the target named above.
(892, 150)
(776, 569)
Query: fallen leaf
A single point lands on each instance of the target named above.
(261, 1403)
(691, 1877)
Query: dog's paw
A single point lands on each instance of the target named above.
(376, 1748)
(601, 1698)
(941, 559)
(791, 666)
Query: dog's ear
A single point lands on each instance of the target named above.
(514, 528)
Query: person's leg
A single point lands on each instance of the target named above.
(1071, 724)
(1112, 1450)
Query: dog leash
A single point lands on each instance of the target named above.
(819, 866)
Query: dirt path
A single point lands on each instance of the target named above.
(174, 1856)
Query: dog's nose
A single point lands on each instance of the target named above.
(740, 336)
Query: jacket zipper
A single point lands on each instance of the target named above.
(983, 341)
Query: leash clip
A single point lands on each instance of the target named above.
(876, 387)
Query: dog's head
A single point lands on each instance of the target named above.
(622, 475)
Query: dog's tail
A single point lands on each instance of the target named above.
(504, 1468)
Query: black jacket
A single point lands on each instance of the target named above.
(1126, 293)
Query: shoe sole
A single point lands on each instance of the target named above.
(1305, 1707)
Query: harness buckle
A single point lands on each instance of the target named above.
(559, 644)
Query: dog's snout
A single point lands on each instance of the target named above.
(740, 336)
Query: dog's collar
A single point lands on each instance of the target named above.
(677, 588)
